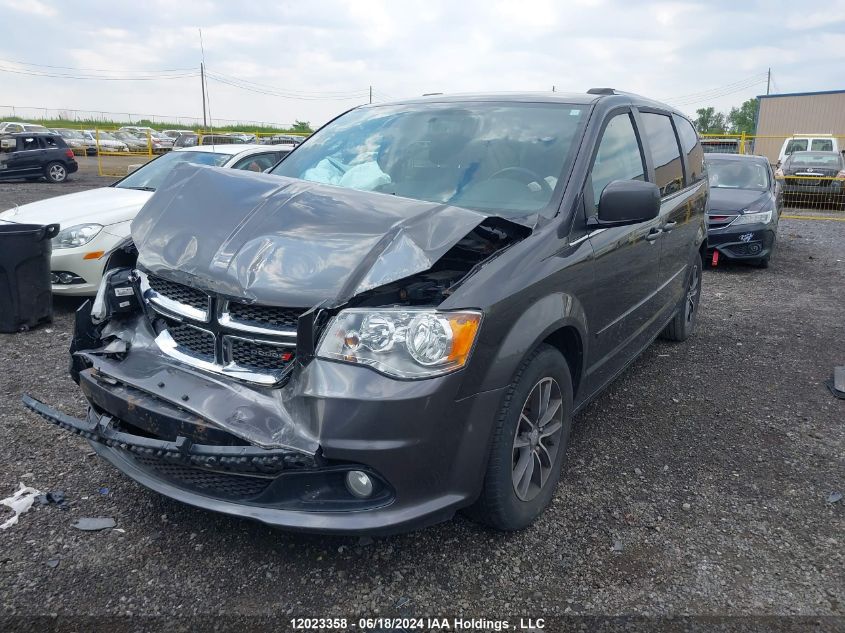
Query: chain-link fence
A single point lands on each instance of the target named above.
(810, 168)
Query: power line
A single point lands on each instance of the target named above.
(35, 73)
(273, 93)
(103, 70)
(287, 91)
(713, 96)
(714, 93)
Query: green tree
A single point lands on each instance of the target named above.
(742, 119)
(302, 126)
(708, 121)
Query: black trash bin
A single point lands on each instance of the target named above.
(25, 293)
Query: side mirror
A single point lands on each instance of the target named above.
(627, 202)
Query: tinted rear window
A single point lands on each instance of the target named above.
(692, 148)
(665, 153)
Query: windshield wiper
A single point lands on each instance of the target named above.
(141, 188)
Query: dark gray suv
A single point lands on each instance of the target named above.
(400, 320)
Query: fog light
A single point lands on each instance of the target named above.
(65, 278)
(359, 484)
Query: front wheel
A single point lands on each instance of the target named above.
(56, 172)
(682, 325)
(529, 442)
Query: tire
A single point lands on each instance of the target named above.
(763, 262)
(682, 325)
(55, 172)
(501, 505)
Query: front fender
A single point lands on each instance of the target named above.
(536, 323)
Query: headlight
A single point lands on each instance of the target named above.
(402, 342)
(78, 235)
(763, 217)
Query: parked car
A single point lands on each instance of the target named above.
(90, 142)
(74, 139)
(94, 221)
(134, 142)
(725, 146)
(174, 134)
(221, 139)
(807, 142)
(745, 206)
(282, 138)
(11, 127)
(108, 143)
(814, 177)
(402, 317)
(186, 140)
(160, 142)
(35, 156)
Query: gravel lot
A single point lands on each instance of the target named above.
(696, 484)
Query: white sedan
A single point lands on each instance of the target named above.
(93, 222)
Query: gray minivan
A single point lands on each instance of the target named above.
(400, 319)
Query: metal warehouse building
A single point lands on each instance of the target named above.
(781, 115)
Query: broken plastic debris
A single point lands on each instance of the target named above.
(54, 496)
(94, 524)
(20, 502)
(834, 497)
(53, 562)
(104, 491)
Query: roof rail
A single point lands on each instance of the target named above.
(601, 91)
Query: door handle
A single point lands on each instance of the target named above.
(669, 225)
(653, 234)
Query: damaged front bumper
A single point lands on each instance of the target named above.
(280, 454)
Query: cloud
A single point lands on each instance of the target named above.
(322, 57)
(33, 7)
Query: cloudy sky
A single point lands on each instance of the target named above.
(280, 61)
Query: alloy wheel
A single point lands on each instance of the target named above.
(692, 295)
(537, 439)
(57, 173)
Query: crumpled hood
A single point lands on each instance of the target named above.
(107, 205)
(287, 242)
(733, 200)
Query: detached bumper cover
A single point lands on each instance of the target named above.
(280, 455)
(183, 450)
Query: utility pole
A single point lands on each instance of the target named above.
(371, 94)
(769, 80)
(202, 82)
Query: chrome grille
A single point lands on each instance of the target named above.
(193, 340)
(257, 346)
(259, 316)
(179, 293)
(257, 355)
(174, 298)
